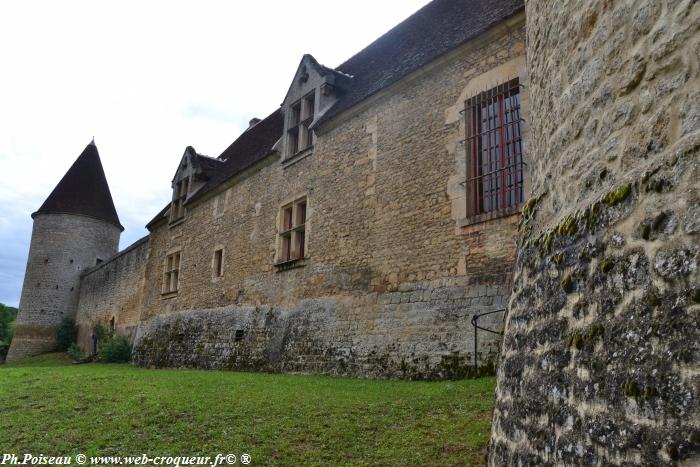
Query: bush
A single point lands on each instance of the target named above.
(114, 349)
(76, 354)
(66, 334)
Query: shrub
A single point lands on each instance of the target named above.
(75, 353)
(66, 334)
(114, 349)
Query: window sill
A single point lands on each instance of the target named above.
(290, 264)
(176, 222)
(293, 159)
(489, 216)
(167, 295)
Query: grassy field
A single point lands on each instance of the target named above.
(52, 407)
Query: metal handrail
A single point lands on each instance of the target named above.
(474, 320)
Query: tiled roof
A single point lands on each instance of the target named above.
(435, 29)
(432, 31)
(83, 190)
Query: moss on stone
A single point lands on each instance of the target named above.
(606, 265)
(618, 196)
(594, 332)
(567, 284)
(653, 299)
(576, 341)
(591, 214)
(567, 227)
(557, 259)
(631, 389)
(529, 208)
(649, 173)
(650, 392)
(644, 231)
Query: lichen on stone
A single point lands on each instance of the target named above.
(606, 265)
(617, 196)
(567, 284)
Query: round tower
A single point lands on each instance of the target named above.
(76, 228)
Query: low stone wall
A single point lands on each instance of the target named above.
(421, 331)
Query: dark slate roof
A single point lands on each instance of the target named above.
(435, 29)
(83, 190)
(252, 146)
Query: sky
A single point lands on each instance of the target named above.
(147, 79)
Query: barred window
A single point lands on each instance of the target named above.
(494, 150)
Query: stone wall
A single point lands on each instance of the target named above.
(112, 291)
(62, 247)
(601, 357)
(392, 274)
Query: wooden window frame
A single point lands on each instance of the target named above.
(292, 232)
(180, 192)
(495, 181)
(171, 273)
(299, 135)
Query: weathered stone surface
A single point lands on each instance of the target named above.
(62, 247)
(601, 353)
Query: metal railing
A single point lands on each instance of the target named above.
(475, 320)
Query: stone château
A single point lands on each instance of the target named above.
(478, 157)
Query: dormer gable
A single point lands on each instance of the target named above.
(191, 175)
(311, 93)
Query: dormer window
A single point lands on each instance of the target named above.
(177, 209)
(301, 114)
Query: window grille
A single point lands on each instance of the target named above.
(495, 175)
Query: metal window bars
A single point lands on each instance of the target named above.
(493, 143)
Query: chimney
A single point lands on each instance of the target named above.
(253, 121)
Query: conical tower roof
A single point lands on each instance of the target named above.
(83, 190)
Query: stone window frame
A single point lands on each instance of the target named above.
(292, 233)
(177, 205)
(492, 123)
(218, 264)
(513, 69)
(300, 137)
(171, 269)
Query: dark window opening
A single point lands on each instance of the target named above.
(239, 335)
(218, 263)
(495, 177)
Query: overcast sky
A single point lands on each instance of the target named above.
(147, 79)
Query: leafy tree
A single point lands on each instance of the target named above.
(7, 321)
(66, 334)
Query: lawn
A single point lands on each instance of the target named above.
(50, 406)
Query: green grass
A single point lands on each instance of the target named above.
(52, 407)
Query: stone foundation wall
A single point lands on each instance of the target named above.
(421, 331)
(112, 290)
(601, 356)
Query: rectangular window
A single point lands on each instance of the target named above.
(494, 149)
(292, 236)
(299, 135)
(219, 263)
(171, 275)
(177, 209)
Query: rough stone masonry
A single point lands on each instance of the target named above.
(601, 357)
